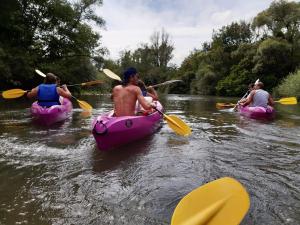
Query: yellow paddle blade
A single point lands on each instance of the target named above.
(111, 74)
(13, 93)
(288, 101)
(166, 83)
(40, 73)
(224, 105)
(92, 83)
(84, 105)
(177, 125)
(223, 201)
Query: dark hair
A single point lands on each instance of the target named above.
(131, 71)
(50, 78)
(251, 85)
(57, 81)
(141, 84)
(260, 84)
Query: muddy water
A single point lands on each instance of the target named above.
(56, 175)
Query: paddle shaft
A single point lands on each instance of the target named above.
(84, 84)
(165, 83)
(241, 99)
(69, 85)
(114, 76)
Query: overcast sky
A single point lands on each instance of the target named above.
(189, 22)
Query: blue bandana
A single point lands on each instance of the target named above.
(128, 73)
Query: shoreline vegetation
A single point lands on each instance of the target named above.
(55, 36)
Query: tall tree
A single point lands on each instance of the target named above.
(161, 48)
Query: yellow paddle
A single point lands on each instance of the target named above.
(83, 104)
(13, 93)
(166, 83)
(288, 101)
(40, 73)
(176, 124)
(111, 74)
(89, 83)
(114, 76)
(224, 105)
(16, 93)
(223, 201)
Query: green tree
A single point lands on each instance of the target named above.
(273, 61)
(161, 49)
(282, 21)
(151, 59)
(290, 86)
(51, 35)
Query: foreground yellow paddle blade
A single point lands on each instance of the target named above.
(177, 125)
(288, 101)
(223, 201)
(13, 93)
(225, 105)
(111, 74)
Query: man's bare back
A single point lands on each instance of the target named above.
(125, 98)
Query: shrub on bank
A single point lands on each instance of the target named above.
(290, 86)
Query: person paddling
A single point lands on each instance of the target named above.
(48, 93)
(125, 96)
(147, 91)
(258, 97)
(250, 88)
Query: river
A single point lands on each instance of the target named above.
(58, 176)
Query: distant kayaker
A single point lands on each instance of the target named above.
(125, 96)
(48, 93)
(147, 91)
(250, 88)
(258, 97)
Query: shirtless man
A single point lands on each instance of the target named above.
(126, 95)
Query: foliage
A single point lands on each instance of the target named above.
(273, 61)
(54, 36)
(239, 53)
(290, 86)
(49, 35)
(151, 60)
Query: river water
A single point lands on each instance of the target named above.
(58, 176)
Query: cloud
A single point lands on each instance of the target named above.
(189, 23)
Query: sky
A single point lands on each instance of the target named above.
(189, 23)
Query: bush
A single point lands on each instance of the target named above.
(290, 85)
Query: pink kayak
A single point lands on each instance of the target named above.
(257, 112)
(56, 113)
(111, 132)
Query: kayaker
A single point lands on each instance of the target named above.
(125, 96)
(48, 93)
(147, 91)
(250, 88)
(258, 97)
